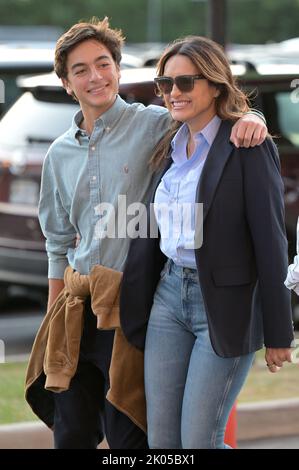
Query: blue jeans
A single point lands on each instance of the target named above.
(190, 390)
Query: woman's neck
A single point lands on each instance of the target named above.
(194, 128)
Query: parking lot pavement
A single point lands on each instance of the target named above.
(273, 419)
(286, 442)
(20, 317)
(35, 435)
(17, 331)
(30, 435)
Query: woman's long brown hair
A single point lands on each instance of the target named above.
(211, 61)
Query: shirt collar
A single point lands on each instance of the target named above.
(179, 142)
(209, 132)
(107, 119)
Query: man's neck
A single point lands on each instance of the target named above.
(90, 116)
(87, 124)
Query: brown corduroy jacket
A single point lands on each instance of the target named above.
(55, 353)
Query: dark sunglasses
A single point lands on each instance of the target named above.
(184, 83)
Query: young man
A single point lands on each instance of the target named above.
(103, 155)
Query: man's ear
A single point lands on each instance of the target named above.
(66, 86)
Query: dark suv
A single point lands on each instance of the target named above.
(26, 59)
(44, 111)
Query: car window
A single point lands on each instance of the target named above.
(282, 114)
(31, 121)
(288, 116)
(12, 92)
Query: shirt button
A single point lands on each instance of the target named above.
(93, 148)
(94, 178)
(108, 129)
(126, 169)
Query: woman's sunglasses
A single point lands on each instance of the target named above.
(184, 83)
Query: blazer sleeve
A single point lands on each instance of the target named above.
(264, 202)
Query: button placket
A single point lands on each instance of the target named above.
(94, 196)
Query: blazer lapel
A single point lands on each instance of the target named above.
(214, 166)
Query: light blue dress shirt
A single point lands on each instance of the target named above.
(80, 173)
(175, 196)
(292, 280)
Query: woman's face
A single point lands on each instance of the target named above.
(197, 107)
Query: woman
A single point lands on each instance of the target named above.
(215, 303)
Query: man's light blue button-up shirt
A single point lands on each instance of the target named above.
(82, 172)
(177, 191)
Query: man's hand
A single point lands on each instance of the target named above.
(249, 131)
(275, 357)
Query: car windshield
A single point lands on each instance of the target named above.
(288, 115)
(281, 109)
(32, 121)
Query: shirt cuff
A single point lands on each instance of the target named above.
(56, 269)
(291, 285)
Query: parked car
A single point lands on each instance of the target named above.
(16, 60)
(44, 111)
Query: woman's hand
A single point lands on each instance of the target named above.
(249, 131)
(275, 357)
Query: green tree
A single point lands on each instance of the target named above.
(255, 21)
(249, 21)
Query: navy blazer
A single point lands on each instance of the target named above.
(242, 263)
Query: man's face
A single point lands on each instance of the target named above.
(92, 76)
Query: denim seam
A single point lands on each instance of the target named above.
(227, 388)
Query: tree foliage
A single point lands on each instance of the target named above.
(249, 21)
